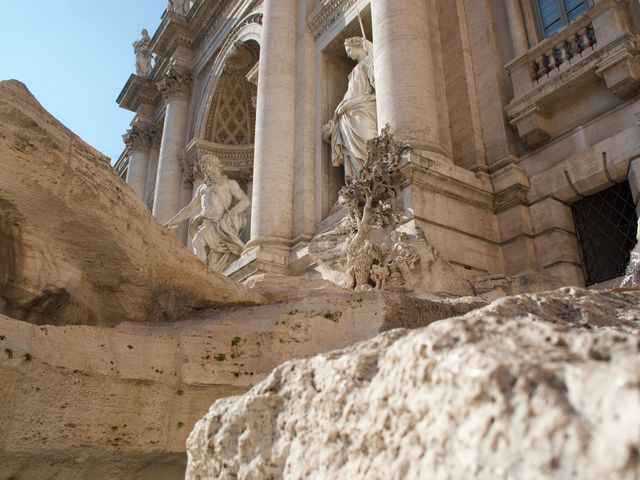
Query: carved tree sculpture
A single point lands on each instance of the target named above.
(369, 198)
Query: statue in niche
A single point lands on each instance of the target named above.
(143, 54)
(180, 6)
(355, 120)
(218, 212)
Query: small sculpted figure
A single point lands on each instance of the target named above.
(355, 119)
(143, 54)
(218, 216)
(180, 6)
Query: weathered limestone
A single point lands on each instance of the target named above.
(76, 244)
(174, 88)
(89, 402)
(535, 386)
(272, 208)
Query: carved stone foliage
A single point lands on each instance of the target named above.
(175, 83)
(368, 198)
(376, 246)
(138, 139)
(232, 116)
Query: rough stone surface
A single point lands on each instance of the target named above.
(529, 387)
(119, 402)
(76, 245)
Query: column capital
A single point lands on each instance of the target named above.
(175, 83)
(137, 138)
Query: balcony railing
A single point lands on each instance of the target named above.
(599, 45)
(571, 45)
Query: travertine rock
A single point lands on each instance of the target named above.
(529, 387)
(76, 245)
(80, 401)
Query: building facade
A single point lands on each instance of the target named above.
(523, 118)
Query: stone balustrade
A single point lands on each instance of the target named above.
(575, 41)
(598, 46)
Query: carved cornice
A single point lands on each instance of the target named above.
(234, 158)
(221, 14)
(327, 14)
(137, 91)
(175, 83)
(172, 32)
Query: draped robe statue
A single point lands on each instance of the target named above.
(143, 54)
(355, 120)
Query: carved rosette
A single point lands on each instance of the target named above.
(175, 83)
(137, 139)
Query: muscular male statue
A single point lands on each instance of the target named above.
(218, 216)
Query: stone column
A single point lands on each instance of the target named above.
(517, 27)
(152, 168)
(246, 235)
(405, 88)
(174, 88)
(137, 141)
(272, 208)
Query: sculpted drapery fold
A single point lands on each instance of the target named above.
(355, 119)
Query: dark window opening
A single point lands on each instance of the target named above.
(606, 227)
(554, 14)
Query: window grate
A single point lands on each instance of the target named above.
(606, 227)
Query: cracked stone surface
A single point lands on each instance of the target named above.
(529, 387)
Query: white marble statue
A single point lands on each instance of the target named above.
(355, 120)
(218, 216)
(143, 54)
(180, 6)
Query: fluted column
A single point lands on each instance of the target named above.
(174, 87)
(138, 141)
(517, 27)
(405, 88)
(272, 209)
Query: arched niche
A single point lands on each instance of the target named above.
(226, 113)
(249, 33)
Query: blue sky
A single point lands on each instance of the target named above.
(75, 56)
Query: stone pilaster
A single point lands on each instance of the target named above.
(175, 89)
(406, 92)
(272, 208)
(517, 27)
(137, 141)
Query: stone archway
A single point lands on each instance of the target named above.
(249, 33)
(226, 115)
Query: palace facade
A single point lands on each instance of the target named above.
(522, 116)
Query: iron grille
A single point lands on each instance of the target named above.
(606, 227)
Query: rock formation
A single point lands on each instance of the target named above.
(529, 387)
(76, 244)
(81, 401)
